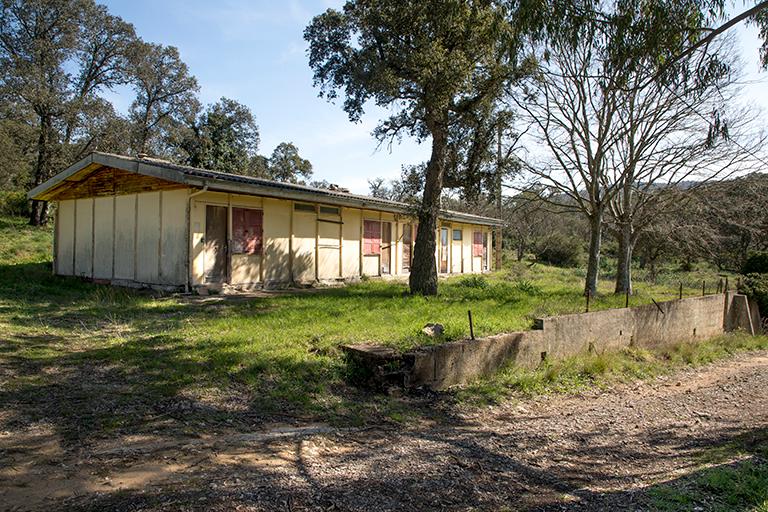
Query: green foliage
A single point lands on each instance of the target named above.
(739, 486)
(472, 282)
(287, 166)
(223, 138)
(14, 204)
(755, 286)
(284, 348)
(559, 249)
(756, 263)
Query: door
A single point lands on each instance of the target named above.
(457, 251)
(215, 244)
(407, 246)
(386, 247)
(485, 251)
(443, 250)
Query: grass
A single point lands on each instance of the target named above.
(738, 481)
(282, 349)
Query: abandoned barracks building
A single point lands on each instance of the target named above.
(148, 222)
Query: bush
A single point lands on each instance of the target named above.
(755, 286)
(473, 282)
(14, 204)
(558, 249)
(757, 263)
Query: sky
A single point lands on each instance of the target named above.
(254, 52)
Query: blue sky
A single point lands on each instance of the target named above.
(254, 52)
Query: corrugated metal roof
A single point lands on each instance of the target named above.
(235, 183)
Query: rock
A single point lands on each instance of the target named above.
(433, 330)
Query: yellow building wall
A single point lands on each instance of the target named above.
(148, 238)
(303, 243)
(100, 237)
(277, 239)
(125, 237)
(103, 237)
(173, 249)
(350, 249)
(84, 237)
(65, 238)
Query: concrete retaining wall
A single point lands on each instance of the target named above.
(692, 319)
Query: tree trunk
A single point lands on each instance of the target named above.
(595, 241)
(624, 264)
(38, 214)
(423, 277)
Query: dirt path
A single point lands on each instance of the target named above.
(597, 450)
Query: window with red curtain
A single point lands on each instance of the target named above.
(371, 237)
(477, 243)
(247, 237)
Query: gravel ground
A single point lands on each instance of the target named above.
(600, 450)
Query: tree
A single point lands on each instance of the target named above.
(224, 137)
(166, 97)
(435, 62)
(287, 166)
(55, 57)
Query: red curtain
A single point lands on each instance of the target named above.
(477, 243)
(247, 231)
(371, 237)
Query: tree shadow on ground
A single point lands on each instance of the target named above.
(448, 468)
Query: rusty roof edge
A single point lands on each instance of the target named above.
(235, 183)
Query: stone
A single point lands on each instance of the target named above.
(433, 330)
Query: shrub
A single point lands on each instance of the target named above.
(14, 203)
(473, 282)
(755, 286)
(528, 288)
(757, 263)
(558, 249)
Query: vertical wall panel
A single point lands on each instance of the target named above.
(350, 249)
(103, 237)
(125, 230)
(148, 237)
(277, 235)
(84, 237)
(65, 248)
(173, 252)
(304, 233)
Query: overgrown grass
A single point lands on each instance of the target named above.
(283, 348)
(738, 481)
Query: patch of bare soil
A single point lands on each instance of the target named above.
(599, 450)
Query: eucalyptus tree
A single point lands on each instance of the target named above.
(433, 63)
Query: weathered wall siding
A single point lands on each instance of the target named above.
(148, 238)
(197, 234)
(277, 236)
(65, 243)
(103, 237)
(246, 269)
(328, 249)
(174, 237)
(304, 233)
(351, 242)
(690, 319)
(84, 238)
(125, 237)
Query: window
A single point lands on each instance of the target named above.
(304, 207)
(457, 234)
(329, 210)
(477, 243)
(371, 238)
(247, 231)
